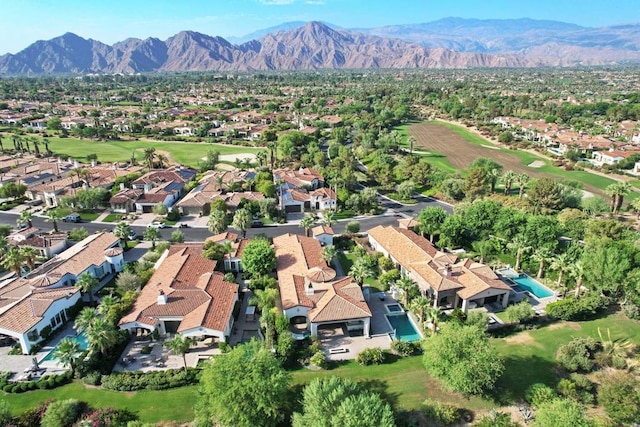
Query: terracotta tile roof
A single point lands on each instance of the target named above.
(321, 229)
(195, 292)
(324, 192)
(416, 254)
(29, 311)
(342, 301)
(125, 195)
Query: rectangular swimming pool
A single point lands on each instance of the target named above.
(528, 284)
(394, 308)
(403, 328)
(84, 345)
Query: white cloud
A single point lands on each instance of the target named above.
(276, 2)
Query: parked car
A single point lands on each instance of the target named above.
(133, 235)
(22, 226)
(71, 218)
(156, 224)
(257, 223)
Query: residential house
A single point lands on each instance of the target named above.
(41, 299)
(47, 244)
(450, 282)
(233, 259)
(311, 293)
(323, 234)
(185, 295)
(611, 157)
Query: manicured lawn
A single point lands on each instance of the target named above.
(151, 406)
(404, 382)
(120, 151)
(344, 214)
(88, 216)
(112, 217)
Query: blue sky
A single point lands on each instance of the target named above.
(25, 21)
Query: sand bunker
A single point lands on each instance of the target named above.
(241, 156)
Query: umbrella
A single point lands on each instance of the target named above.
(321, 274)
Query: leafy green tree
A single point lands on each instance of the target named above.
(520, 312)
(78, 234)
(561, 412)
(255, 398)
(61, 413)
(217, 221)
(87, 283)
(67, 352)
(406, 189)
(545, 196)
(180, 346)
(153, 235)
(160, 209)
(475, 183)
(606, 266)
(619, 393)
(578, 354)
(258, 258)
(430, 221)
(463, 359)
(128, 281)
(242, 221)
(5, 411)
(177, 236)
(329, 252)
(352, 227)
(496, 419)
(364, 410)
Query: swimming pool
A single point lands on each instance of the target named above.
(403, 328)
(525, 283)
(394, 309)
(80, 338)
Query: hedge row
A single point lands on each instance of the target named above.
(154, 380)
(47, 382)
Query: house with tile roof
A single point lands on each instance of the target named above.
(450, 282)
(47, 244)
(233, 259)
(185, 295)
(43, 297)
(310, 291)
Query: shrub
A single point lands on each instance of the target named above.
(440, 414)
(520, 312)
(352, 227)
(539, 393)
(632, 311)
(620, 396)
(371, 356)
(224, 347)
(319, 360)
(404, 348)
(585, 308)
(155, 380)
(496, 419)
(61, 413)
(92, 378)
(578, 354)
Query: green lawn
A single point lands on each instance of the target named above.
(346, 261)
(88, 216)
(112, 217)
(120, 151)
(344, 214)
(151, 406)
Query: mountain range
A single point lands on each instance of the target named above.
(447, 43)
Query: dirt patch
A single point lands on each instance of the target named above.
(241, 156)
(573, 325)
(523, 338)
(536, 164)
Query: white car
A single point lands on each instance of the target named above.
(156, 224)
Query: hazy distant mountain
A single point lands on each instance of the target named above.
(287, 26)
(312, 46)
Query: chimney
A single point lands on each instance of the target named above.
(308, 288)
(122, 187)
(447, 270)
(162, 298)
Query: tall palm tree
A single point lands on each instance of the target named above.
(329, 217)
(307, 222)
(53, 216)
(85, 318)
(106, 303)
(242, 221)
(328, 253)
(635, 204)
(122, 231)
(149, 155)
(493, 175)
(360, 271)
(30, 255)
(101, 335)
(406, 284)
(261, 156)
(508, 178)
(561, 263)
(419, 306)
(522, 180)
(411, 140)
(433, 316)
(483, 248)
(179, 346)
(577, 272)
(217, 222)
(26, 217)
(153, 235)
(162, 159)
(67, 352)
(272, 145)
(87, 283)
(541, 256)
(521, 246)
(265, 299)
(13, 260)
(617, 191)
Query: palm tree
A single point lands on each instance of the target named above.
(411, 140)
(522, 180)
(329, 217)
(67, 352)
(272, 145)
(635, 204)
(122, 231)
(87, 283)
(261, 156)
(227, 247)
(162, 159)
(508, 177)
(179, 346)
(26, 217)
(406, 284)
(217, 222)
(4, 247)
(617, 191)
(242, 221)
(101, 335)
(328, 253)
(307, 222)
(615, 352)
(541, 256)
(521, 246)
(85, 318)
(419, 306)
(53, 216)
(106, 303)
(433, 315)
(577, 272)
(493, 175)
(149, 154)
(561, 263)
(30, 255)
(483, 248)
(13, 260)
(132, 159)
(359, 271)
(153, 235)
(265, 299)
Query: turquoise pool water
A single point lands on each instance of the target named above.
(526, 283)
(80, 338)
(403, 328)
